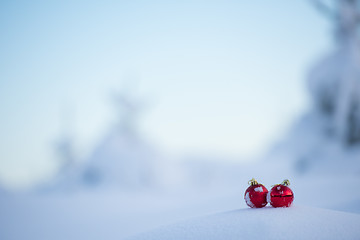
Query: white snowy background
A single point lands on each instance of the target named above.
(146, 119)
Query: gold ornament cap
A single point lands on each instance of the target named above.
(252, 182)
(286, 182)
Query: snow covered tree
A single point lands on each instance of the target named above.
(335, 81)
(327, 137)
(121, 159)
(64, 146)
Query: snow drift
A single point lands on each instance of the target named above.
(266, 223)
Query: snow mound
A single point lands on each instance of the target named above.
(296, 222)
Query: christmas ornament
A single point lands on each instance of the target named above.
(255, 195)
(281, 195)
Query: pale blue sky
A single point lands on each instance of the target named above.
(222, 77)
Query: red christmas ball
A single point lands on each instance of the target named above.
(255, 195)
(281, 195)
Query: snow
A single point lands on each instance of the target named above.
(99, 215)
(258, 189)
(248, 200)
(105, 214)
(296, 222)
(268, 197)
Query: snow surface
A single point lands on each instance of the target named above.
(117, 215)
(296, 222)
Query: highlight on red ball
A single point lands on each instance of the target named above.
(256, 194)
(281, 195)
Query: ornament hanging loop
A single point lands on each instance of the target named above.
(252, 182)
(286, 182)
